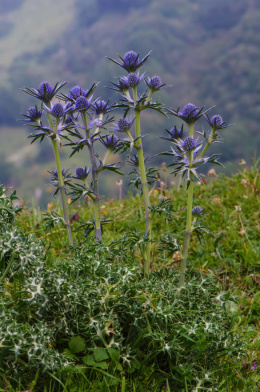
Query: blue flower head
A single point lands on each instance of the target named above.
(154, 83)
(189, 144)
(101, 107)
(197, 211)
(175, 134)
(33, 114)
(82, 173)
(57, 110)
(110, 142)
(123, 125)
(130, 62)
(75, 92)
(122, 86)
(82, 104)
(134, 79)
(216, 122)
(45, 91)
(190, 113)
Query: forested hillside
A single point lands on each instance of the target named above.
(207, 51)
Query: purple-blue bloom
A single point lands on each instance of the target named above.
(57, 110)
(82, 104)
(101, 107)
(33, 114)
(154, 83)
(45, 91)
(175, 134)
(197, 211)
(134, 79)
(123, 124)
(216, 122)
(110, 142)
(82, 173)
(130, 62)
(75, 92)
(190, 113)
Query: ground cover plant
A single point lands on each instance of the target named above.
(144, 303)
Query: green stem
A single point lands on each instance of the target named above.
(96, 202)
(188, 218)
(209, 141)
(62, 190)
(139, 147)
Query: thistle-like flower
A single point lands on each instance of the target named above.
(82, 104)
(134, 79)
(175, 134)
(130, 62)
(82, 173)
(216, 122)
(101, 107)
(123, 124)
(55, 179)
(154, 83)
(33, 115)
(190, 144)
(45, 91)
(197, 211)
(190, 113)
(122, 86)
(110, 142)
(75, 92)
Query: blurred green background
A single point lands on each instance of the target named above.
(207, 50)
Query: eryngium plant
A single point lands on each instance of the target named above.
(57, 123)
(88, 119)
(131, 99)
(188, 156)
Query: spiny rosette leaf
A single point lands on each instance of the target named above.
(190, 113)
(45, 91)
(130, 62)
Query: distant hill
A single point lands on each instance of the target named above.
(208, 51)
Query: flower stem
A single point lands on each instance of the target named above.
(62, 190)
(139, 147)
(188, 229)
(96, 202)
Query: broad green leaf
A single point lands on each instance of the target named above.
(114, 354)
(89, 360)
(100, 354)
(76, 344)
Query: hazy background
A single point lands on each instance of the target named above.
(208, 50)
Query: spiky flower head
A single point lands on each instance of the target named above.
(122, 86)
(82, 104)
(33, 115)
(197, 211)
(57, 110)
(134, 79)
(101, 107)
(154, 83)
(82, 173)
(216, 122)
(175, 134)
(190, 113)
(188, 144)
(110, 142)
(75, 92)
(130, 62)
(45, 91)
(123, 124)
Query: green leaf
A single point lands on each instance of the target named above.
(101, 365)
(89, 360)
(100, 354)
(76, 344)
(114, 354)
(69, 354)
